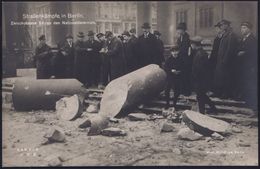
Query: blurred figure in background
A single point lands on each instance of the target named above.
(160, 49)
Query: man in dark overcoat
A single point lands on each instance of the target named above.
(225, 66)
(147, 50)
(94, 65)
(200, 75)
(247, 65)
(43, 59)
(160, 48)
(183, 41)
(116, 56)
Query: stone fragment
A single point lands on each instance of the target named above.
(167, 127)
(55, 135)
(92, 108)
(236, 130)
(189, 145)
(137, 116)
(188, 134)
(114, 120)
(113, 132)
(167, 112)
(208, 139)
(216, 136)
(35, 119)
(85, 124)
(243, 144)
(53, 161)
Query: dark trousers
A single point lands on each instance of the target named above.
(175, 84)
(203, 99)
(43, 70)
(104, 72)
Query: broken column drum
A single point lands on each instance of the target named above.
(43, 94)
(127, 91)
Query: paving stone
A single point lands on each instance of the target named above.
(137, 116)
(188, 134)
(167, 127)
(113, 132)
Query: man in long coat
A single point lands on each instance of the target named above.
(225, 66)
(247, 65)
(160, 49)
(147, 50)
(94, 64)
(43, 59)
(116, 56)
(183, 42)
(80, 58)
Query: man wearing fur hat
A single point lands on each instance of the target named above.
(43, 59)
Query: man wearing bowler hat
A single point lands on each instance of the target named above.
(200, 75)
(80, 58)
(247, 65)
(225, 65)
(93, 64)
(43, 59)
(160, 48)
(147, 50)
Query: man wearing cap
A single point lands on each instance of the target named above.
(183, 41)
(214, 53)
(200, 75)
(160, 48)
(66, 58)
(224, 72)
(80, 58)
(247, 65)
(116, 56)
(147, 47)
(43, 59)
(94, 60)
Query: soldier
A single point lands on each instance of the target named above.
(80, 58)
(94, 60)
(160, 50)
(247, 65)
(147, 47)
(66, 58)
(183, 41)
(104, 61)
(116, 56)
(224, 72)
(214, 53)
(200, 75)
(43, 59)
(173, 68)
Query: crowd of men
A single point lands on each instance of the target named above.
(230, 71)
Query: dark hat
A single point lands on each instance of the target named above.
(80, 35)
(42, 37)
(182, 26)
(247, 24)
(100, 35)
(217, 25)
(224, 21)
(146, 25)
(126, 33)
(174, 48)
(91, 33)
(156, 33)
(69, 36)
(133, 30)
(196, 39)
(108, 33)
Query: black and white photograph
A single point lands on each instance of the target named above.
(129, 83)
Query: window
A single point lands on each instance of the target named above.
(181, 16)
(206, 17)
(115, 28)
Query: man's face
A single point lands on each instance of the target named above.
(224, 27)
(102, 38)
(70, 40)
(109, 38)
(126, 37)
(218, 30)
(157, 36)
(42, 41)
(244, 30)
(193, 46)
(175, 53)
(146, 30)
(91, 38)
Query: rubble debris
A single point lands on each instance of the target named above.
(53, 161)
(55, 135)
(32, 94)
(85, 124)
(68, 133)
(45, 141)
(114, 120)
(236, 130)
(216, 136)
(155, 116)
(98, 123)
(137, 116)
(69, 108)
(208, 139)
(113, 132)
(92, 108)
(242, 144)
(188, 134)
(35, 119)
(168, 112)
(204, 124)
(189, 145)
(167, 127)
